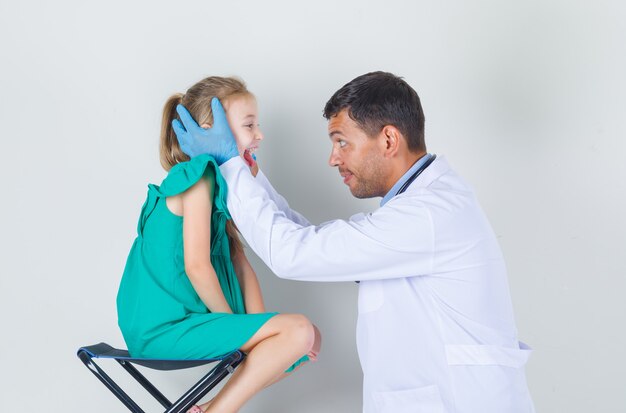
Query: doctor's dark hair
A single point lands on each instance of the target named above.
(197, 100)
(377, 99)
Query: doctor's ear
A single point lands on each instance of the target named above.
(391, 139)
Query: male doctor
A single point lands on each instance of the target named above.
(436, 332)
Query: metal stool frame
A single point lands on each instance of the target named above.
(226, 366)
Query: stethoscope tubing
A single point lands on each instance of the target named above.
(415, 175)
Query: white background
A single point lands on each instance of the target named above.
(526, 100)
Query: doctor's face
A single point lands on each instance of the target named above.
(357, 156)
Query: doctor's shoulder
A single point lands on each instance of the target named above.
(448, 191)
(403, 213)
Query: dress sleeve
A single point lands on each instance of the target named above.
(184, 175)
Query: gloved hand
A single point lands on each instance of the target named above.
(217, 141)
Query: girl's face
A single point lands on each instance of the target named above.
(243, 118)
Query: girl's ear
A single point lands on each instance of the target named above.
(205, 126)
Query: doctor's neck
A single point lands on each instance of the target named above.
(399, 166)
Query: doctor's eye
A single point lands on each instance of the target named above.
(342, 143)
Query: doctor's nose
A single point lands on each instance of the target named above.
(334, 159)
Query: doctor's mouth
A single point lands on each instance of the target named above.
(346, 175)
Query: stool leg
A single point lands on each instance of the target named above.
(109, 383)
(145, 383)
(207, 383)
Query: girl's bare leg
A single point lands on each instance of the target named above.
(313, 353)
(281, 341)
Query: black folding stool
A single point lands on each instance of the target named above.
(226, 365)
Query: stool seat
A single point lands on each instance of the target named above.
(226, 365)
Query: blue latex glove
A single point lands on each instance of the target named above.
(217, 141)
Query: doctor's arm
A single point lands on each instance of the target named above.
(386, 244)
(281, 203)
(378, 246)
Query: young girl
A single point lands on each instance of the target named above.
(188, 291)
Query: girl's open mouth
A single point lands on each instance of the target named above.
(248, 156)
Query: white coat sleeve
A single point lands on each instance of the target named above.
(393, 242)
(281, 203)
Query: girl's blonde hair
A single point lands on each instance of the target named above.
(197, 100)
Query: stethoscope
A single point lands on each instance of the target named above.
(415, 175)
(412, 178)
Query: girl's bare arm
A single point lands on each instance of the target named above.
(251, 289)
(197, 203)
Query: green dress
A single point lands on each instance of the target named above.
(159, 312)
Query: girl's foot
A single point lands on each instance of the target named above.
(200, 409)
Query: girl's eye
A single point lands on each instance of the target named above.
(250, 125)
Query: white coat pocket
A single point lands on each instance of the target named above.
(371, 296)
(420, 400)
(489, 379)
(481, 355)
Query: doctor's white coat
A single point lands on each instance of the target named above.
(435, 330)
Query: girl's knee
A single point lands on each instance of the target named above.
(302, 331)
